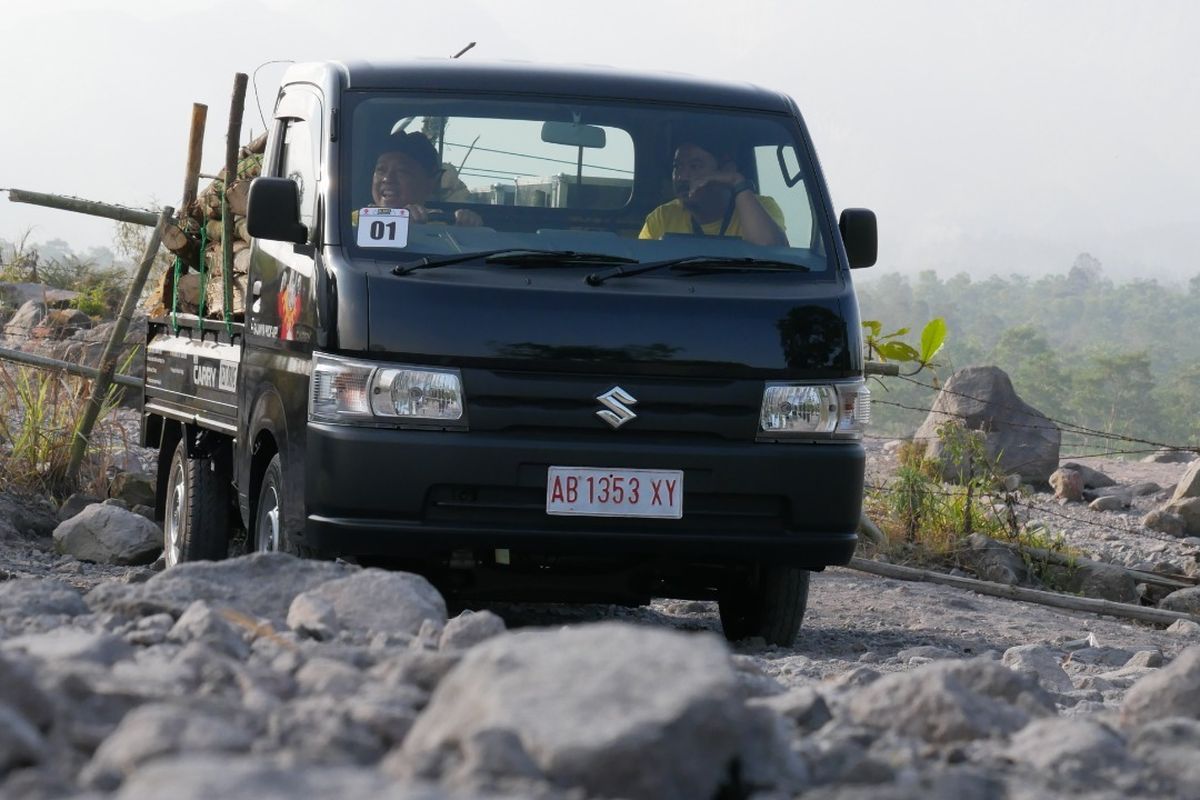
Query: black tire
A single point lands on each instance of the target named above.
(196, 510)
(769, 603)
(270, 533)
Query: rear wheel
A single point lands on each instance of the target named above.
(196, 522)
(770, 602)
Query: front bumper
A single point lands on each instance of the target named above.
(378, 492)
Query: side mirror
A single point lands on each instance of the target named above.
(273, 211)
(859, 235)
(573, 133)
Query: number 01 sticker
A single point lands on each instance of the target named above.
(383, 227)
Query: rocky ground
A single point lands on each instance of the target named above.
(266, 676)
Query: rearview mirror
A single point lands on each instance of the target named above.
(575, 134)
(860, 235)
(273, 210)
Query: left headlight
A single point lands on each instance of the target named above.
(818, 411)
(350, 391)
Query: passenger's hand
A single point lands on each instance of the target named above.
(722, 179)
(467, 218)
(417, 213)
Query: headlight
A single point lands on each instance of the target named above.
(417, 394)
(345, 390)
(839, 410)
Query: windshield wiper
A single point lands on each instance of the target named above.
(516, 256)
(700, 264)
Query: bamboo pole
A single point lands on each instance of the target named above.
(96, 209)
(232, 145)
(1125, 610)
(191, 177)
(81, 370)
(108, 360)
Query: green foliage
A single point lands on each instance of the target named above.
(888, 347)
(1079, 348)
(37, 427)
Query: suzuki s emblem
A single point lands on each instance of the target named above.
(616, 402)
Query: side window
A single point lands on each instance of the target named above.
(781, 178)
(298, 162)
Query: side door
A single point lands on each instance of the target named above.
(280, 318)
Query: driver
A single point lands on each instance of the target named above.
(712, 198)
(407, 173)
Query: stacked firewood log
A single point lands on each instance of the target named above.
(195, 238)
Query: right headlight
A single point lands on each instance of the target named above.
(351, 391)
(815, 410)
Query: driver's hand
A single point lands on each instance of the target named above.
(467, 218)
(722, 179)
(417, 212)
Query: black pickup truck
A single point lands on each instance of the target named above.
(537, 333)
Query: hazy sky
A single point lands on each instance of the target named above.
(988, 136)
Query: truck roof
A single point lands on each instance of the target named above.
(522, 77)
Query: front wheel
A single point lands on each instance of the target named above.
(770, 602)
(270, 532)
(195, 525)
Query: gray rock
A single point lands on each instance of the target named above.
(1094, 579)
(1185, 600)
(1043, 663)
(469, 629)
(25, 517)
(804, 706)
(662, 705)
(1188, 509)
(1092, 478)
(144, 511)
(159, 729)
(115, 502)
(109, 535)
(1160, 519)
(328, 676)
(375, 600)
(200, 622)
(1101, 655)
(20, 741)
(1067, 484)
(207, 777)
(1080, 749)
(928, 652)
(1173, 691)
(320, 730)
(28, 316)
(992, 561)
(1017, 437)
(950, 701)
(260, 585)
(313, 616)
(1170, 456)
(753, 679)
(31, 597)
(1112, 502)
(1189, 484)
(1145, 489)
(1146, 658)
(70, 644)
(20, 692)
(1170, 746)
(135, 488)
(1184, 628)
(419, 667)
(74, 504)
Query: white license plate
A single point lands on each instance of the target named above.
(602, 492)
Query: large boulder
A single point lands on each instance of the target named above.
(1189, 484)
(109, 535)
(1173, 691)
(374, 601)
(1016, 435)
(617, 710)
(28, 316)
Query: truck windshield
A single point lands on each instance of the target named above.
(430, 177)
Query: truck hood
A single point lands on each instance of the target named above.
(745, 325)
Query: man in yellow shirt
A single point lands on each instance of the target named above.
(713, 198)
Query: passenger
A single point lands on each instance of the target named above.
(713, 198)
(406, 175)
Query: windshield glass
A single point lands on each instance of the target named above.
(430, 176)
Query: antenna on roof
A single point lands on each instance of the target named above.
(465, 49)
